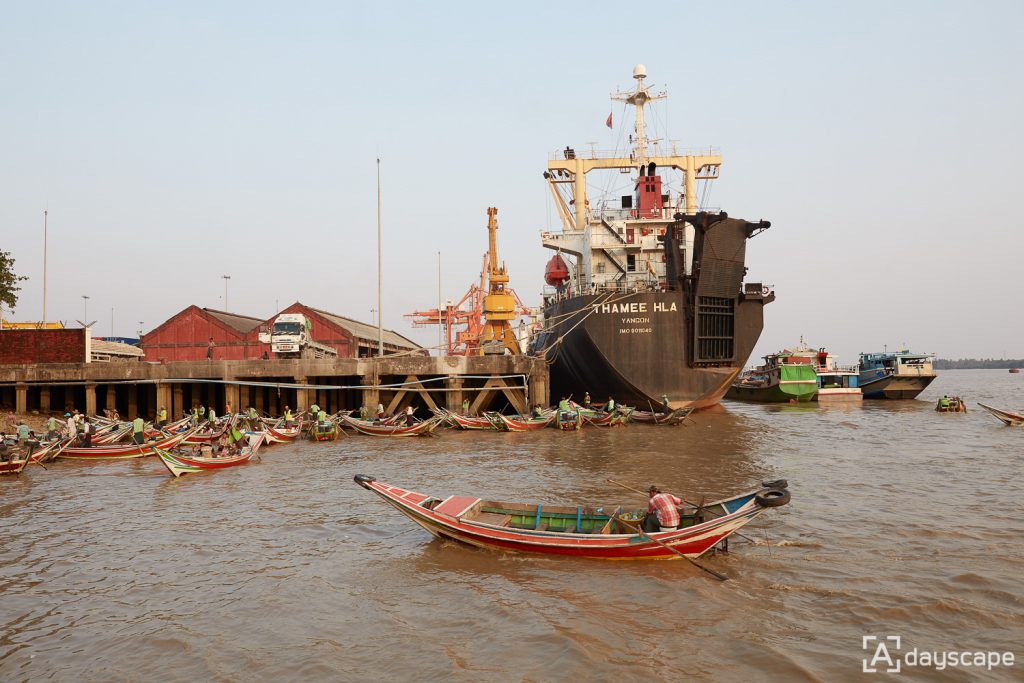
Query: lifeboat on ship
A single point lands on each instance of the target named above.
(557, 271)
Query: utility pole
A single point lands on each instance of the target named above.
(440, 352)
(380, 276)
(85, 308)
(140, 329)
(111, 321)
(46, 213)
(226, 278)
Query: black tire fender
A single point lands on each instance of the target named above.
(772, 498)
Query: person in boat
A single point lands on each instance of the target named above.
(88, 429)
(364, 412)
(163, 417)
(227, 408)
(114, 415)
(563, 405)
(289, 420)
(22, 432)
(139, 430)
(51, 428)
(410, 419)
(538, 411)
(465, 407)
(665, 408)
(202, 413)
(211, 416)
(380, 411)
(314, 411)
(662, 510)
(586, 399)
(69, 425)
(235, 437)
(609, 407)
(944, 402)
(321, 416)
(254, 418)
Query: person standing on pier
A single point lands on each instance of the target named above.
(139, 430)
(209, 350)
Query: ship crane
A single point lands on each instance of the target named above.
(468, 311)
(499, 304)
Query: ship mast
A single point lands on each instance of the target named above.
(639, 99)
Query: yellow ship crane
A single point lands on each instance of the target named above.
(500, 303)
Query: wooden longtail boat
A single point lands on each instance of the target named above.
(374, 429)
(50, 451)
(517, 424)
(325, 432)
(16, 463)
(677, 416)
(121, 452)
(569, 420)
(282, 435)
(463, 422)
(198, 438)
(180, 462)
(1005, 416)
(574, 531)
(112, 434)
(600, 418)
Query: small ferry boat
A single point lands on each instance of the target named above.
(608, 532)
(912, 373)
(1008, 418)
(1014, 371)
(785, 377)
(950, 404)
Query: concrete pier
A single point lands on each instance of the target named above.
(488, 382)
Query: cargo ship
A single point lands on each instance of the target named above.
(646, 299)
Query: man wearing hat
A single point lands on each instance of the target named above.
(662, 508)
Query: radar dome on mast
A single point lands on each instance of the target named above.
(639, 71)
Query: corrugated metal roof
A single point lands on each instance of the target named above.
(115, 348)
(242, 323)
(366, 331)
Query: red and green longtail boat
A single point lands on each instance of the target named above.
(576, 531)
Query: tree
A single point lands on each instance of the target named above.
(9, 287)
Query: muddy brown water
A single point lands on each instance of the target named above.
(903, 522)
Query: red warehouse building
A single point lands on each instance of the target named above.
(186, 336)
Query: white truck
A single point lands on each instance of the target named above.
(290, 337)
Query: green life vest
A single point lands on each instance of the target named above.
(163, 416)
(138, 425)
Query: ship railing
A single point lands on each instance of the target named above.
(656, 151)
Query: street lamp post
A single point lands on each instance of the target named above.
(85, 308)
(380, 276)
(226, 278)
(140, 329)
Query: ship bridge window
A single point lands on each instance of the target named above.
(631, 263)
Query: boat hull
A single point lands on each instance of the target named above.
(642, 354)
(902, 388)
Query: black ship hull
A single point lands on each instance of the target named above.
(640, 355)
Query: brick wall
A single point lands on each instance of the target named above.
(42, 346)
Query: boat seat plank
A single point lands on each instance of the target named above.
(492, 518)
(414, 498)
(456, 506)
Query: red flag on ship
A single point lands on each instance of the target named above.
(609, 121)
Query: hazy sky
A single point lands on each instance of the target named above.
(176, 143)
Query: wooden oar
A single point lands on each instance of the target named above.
(698, 565)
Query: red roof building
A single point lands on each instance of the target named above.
(186, 335)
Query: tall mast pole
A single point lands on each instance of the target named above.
(46, 213)
(380, 278)
(439, 346)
